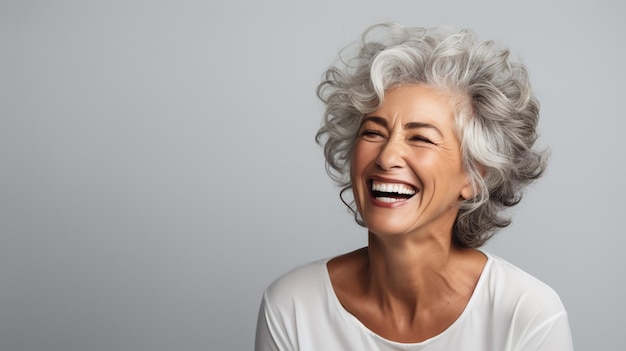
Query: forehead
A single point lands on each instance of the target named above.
(416, 103)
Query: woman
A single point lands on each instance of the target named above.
(432, 131)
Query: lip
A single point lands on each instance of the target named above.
(397, 204)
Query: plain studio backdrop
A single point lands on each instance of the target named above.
(158, 168)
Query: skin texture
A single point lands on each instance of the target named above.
(410, 283)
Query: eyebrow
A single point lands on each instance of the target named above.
(410, 125)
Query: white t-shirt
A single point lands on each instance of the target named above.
(509, 311)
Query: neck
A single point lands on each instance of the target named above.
(405, 274)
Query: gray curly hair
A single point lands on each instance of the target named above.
(496, 113)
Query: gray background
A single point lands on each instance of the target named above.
(158, 168)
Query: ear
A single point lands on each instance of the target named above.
(467, 192)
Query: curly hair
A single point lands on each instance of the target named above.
(496, 113)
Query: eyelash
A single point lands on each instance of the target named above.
(371, 133)
(421, 138)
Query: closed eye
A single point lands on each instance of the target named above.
(419, 138)
(372, 135)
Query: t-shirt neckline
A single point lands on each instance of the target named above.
(328, 286)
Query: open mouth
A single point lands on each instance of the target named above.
(391, 192)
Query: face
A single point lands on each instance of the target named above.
(407, 173)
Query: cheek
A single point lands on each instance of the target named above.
(438, 161)
(425, 163)
(362, 155)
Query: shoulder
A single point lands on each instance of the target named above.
(525, 309)
(302, 284)
(517, 281)
(286, 301)
(520, 294)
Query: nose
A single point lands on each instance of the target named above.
(392, 154)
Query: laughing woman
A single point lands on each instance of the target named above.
(433, 133)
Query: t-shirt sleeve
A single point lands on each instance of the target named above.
(538, 319)
(270, 336)
(552, 335)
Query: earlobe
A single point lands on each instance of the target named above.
(467, 192)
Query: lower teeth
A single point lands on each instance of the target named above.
(388, 199)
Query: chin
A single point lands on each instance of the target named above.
(387, 227)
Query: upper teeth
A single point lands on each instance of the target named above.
(392, 188)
